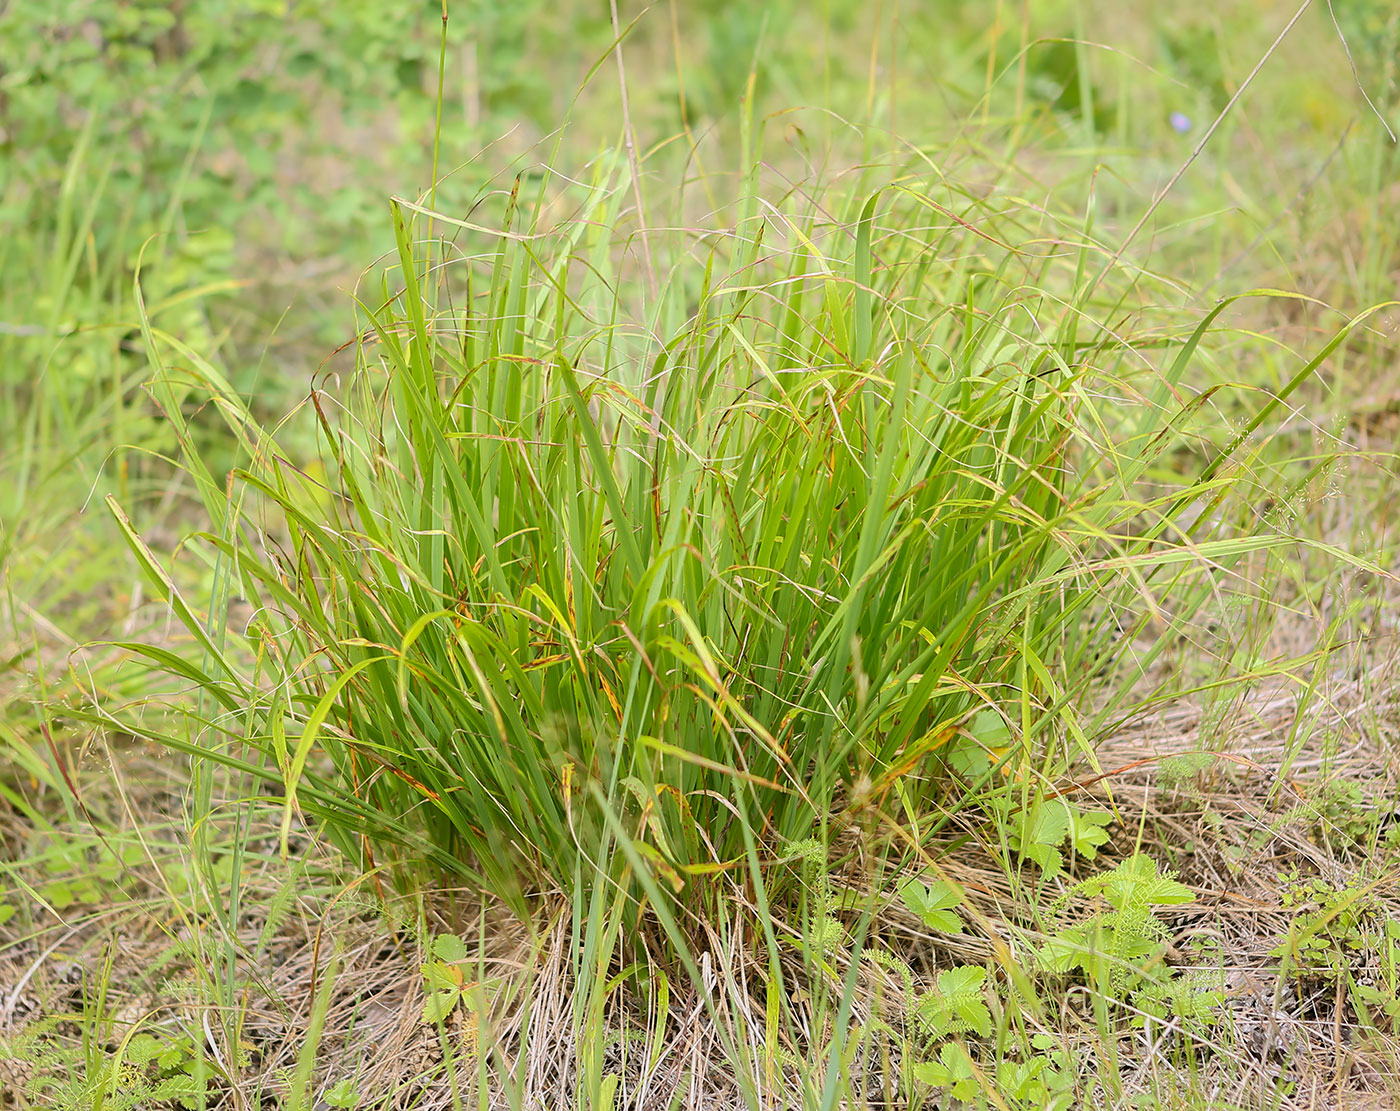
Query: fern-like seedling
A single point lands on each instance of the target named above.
(1124, 937)
(956, 1005)
(824, 933)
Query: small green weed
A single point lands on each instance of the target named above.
(1189, 1001)
(1376, 992)
(1039, 833)
(934, 903)
(445, 985)
(145, 1070)
(1333, 925)
(1115, 947)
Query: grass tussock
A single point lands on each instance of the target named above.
(650, 588)
(873, 629)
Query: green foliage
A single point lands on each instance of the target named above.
(1376, 992)
(1059, 76)
(1038, 833)
(72, 871)
(597, 618)
(611, 585)
(1031, 1072)
(1331, 926)
(823, 933)
(954, 1069)
(444, 984)
(1039, 1080)
(1188, 1002)
(1112, 947)
(1346, 814)
(1184, 768)
(147, 1071)
(1343, 934)
(242, 78)
(1371, 30)
(344, 1093)
(588, 585)
(974, 753)
(934, 903)
(956, 1005)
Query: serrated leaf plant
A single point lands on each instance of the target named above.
(1113, 945)
(952, 1069)
(1039, 833)
(445, 985)
(957, 1005)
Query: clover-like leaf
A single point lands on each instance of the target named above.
(933, 903)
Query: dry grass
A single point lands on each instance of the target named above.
(1234, 830)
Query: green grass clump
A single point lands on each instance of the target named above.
(765, 578)
(653, 559)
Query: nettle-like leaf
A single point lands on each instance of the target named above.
(957, 1005)
(934, 903)
(444, 983)
(437, 1005)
